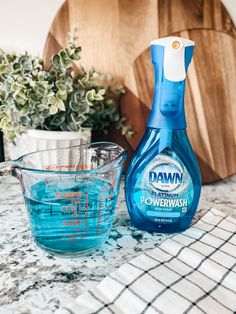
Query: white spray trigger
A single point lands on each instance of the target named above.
(174, 57)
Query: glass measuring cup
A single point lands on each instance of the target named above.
(70, 194)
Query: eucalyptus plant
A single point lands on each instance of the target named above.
(55, 98)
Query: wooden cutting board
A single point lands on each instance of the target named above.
(114, 32)
(210, 101)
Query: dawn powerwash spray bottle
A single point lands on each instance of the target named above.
(163, 181)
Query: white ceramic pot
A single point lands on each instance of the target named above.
(34, 140)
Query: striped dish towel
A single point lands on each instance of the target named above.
(192, 272)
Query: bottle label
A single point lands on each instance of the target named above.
(166, 189)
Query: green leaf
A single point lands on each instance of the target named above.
(77, 52)
(16, 68)
(58, 119)
(53, 110)
(61, 105)
(56, 60)
(20, 97)
(4, 68)
(98, 97)
(24, 120)
(52, 99)
(64, 55)
(90, 96)
(75, 106)
(102, 91)
(25, 63)
(120, 89)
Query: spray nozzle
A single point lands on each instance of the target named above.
(171, 57)
(177, 56)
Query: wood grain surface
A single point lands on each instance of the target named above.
(210, 101)
(177, 15)
(114, 33)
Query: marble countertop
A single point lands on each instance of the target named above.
(33, 282)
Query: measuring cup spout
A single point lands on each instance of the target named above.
(117, 158)
(8, 168)
(120, 159)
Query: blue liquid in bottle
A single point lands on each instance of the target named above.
(71, 215)
(163, 181)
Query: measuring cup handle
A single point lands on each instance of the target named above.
(5, 168)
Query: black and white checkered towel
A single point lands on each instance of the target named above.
(192, 272)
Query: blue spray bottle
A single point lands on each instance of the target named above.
(163, 181)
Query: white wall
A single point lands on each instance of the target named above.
(24, 24)
(231, 7)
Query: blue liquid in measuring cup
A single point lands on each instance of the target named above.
(71, 215)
